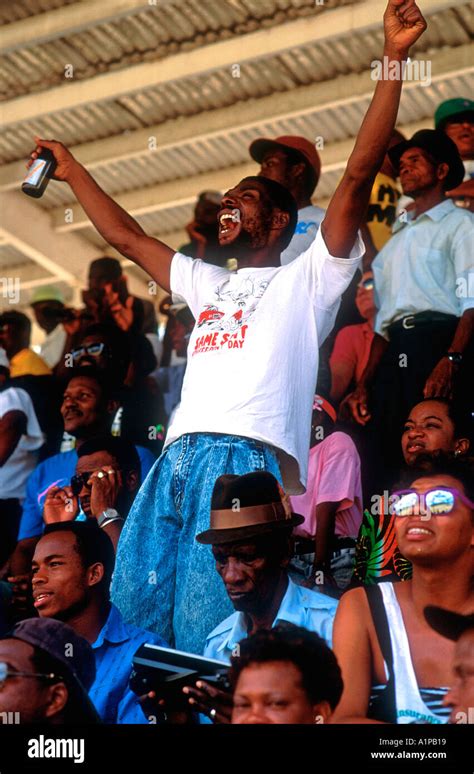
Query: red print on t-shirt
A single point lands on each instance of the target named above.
(225, 327)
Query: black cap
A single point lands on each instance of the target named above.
(439, 146)
(447, 623)
(70, 650)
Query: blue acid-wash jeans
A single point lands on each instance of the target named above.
(164, 580)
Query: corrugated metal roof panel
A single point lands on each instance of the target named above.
(229, 148)
(181, 26)
(155, 31)
(119, 43)
(21, 9)
(190, 96)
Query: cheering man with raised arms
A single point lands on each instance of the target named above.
(252, 358)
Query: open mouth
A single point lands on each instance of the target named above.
(418, 533)
(229, 224)
(237, 594)
(72, 413)
(41, 598)
(415, 447)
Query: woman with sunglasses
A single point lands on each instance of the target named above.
(396, 668)
(433, 426)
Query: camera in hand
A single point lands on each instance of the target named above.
(97, 296)
(163, 669)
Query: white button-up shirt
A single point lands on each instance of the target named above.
(299, 606)
(427, 265)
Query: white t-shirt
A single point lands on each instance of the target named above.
(22, 461)
(53, 346)
(253, 353)
(309, 220)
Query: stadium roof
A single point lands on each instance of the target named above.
(161, 99)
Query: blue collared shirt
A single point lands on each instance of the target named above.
(425, 266)
(114, 649)
(300, 606)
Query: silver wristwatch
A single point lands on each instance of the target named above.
(110, 514)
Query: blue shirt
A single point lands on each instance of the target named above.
(57, 471)
(114, 649)
(300, 606)
(427, 265)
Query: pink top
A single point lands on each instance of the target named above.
(333, 476)
(349, 356)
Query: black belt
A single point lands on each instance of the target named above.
(422, 318)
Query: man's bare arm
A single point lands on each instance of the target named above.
(403, 25)
(116, 226)
(441, 381)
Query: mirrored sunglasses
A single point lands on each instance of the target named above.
(94, 350)
(438, 501)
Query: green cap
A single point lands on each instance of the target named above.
(47, 293)
(452, 107)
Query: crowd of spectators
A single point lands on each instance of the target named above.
(222, 489)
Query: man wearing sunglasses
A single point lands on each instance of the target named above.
(102, 489)
(126, 361)
(88, 406)
(90, 351)
(39, 683)
(104, 486)
(385, 623)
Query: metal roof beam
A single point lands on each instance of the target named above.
(69, 20)
(28, 229)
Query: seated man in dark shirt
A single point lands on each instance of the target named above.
(88, 405)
